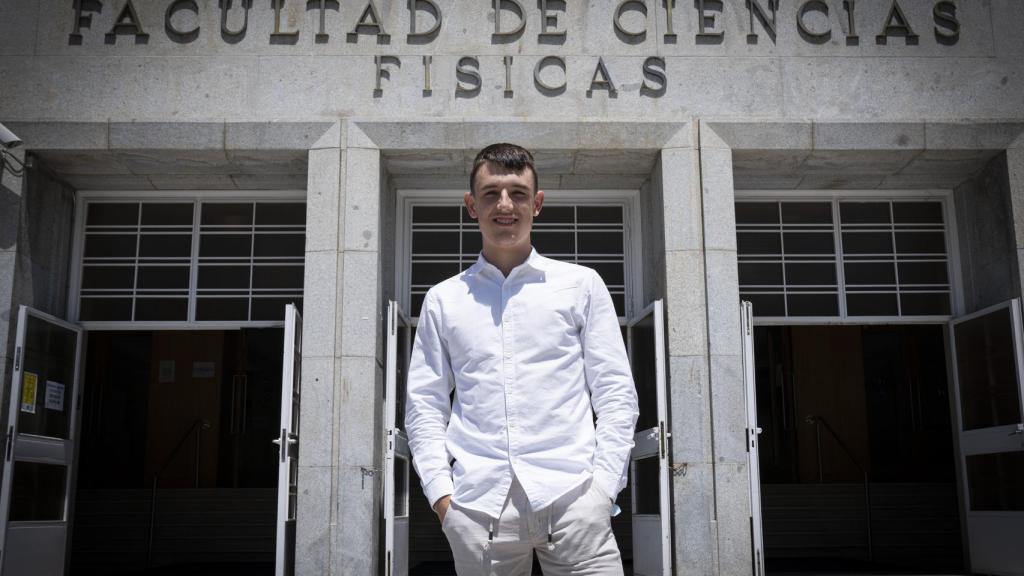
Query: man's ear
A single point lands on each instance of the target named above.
(538, 202)
(468, 200)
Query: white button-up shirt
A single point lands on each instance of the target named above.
(528, 356)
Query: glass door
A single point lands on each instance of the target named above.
(649, 462)
(753, 431)
(39, 452)
(988, 365)
(396, 449)
(288, 442)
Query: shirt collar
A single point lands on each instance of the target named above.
(534, 261)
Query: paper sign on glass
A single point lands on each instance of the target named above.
(29, 387)
(54, 396)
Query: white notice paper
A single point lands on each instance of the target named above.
(204, 369)
(54, 396)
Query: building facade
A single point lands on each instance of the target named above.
(855, 170)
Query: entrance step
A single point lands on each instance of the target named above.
(193, 526)
(914, 526)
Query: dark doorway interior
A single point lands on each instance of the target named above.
(845, 406)
(197, 411)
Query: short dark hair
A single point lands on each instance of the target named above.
(513, 158)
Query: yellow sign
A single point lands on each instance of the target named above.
(29, 387)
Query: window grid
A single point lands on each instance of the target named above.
(917, 258)
(284, 218)
(466, 227)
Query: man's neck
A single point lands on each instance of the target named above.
(506, 259)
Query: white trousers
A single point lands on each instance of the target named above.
(571, 536)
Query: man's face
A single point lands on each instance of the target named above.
(504, 203)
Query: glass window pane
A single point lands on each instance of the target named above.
(870, 273)
(923, 273)
(642, 359)
(557, 214)
(815, 274)
(161, 309)
(232, 214)
(104, 309)
(159, 214)
(110, 245)
(864, 212)
(472, 244)
(871, 304)
(435, 242)
(48, 378)
(752, 243)
(600, 242)
(112, 214)
(766, 305)
(986, 367)
(915, 304)
(280, 214)
(917, 212)
(401, 486)
(920, 243)
(225, 245)
(813, 304)
(436, 214)
(430, 273)
(223, 277)
(757, 212)
(272, 309)
(613, 273)
(163, 277)
(165, 246)
(996, 481)
(760, 274)
(809, 243)
(806, 212)
(109, 277)
(599, 214)
(279, 245)
(648, 485)
(277, 277)
(867, 243)
(551, 243)
(38, 492)
(222, 309)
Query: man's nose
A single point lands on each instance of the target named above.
(505, 201)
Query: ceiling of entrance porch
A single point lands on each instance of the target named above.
(558, 169)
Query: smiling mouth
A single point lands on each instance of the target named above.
(505, 221)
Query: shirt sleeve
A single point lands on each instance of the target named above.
(428, 404)
(612, 391)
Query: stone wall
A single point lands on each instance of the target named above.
(753, 69)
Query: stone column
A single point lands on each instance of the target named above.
(1015, 173)
(339, 471)
(686, 309)
(10, 218)
(727, 394)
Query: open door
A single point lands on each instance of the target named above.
(753, 430)
(42, 428)
(988, 367)
(288, 442)
(649, 462)
(396, 449)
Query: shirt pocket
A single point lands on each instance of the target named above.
(549, 316)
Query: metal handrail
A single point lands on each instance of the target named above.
(819, 422)
(197, 427)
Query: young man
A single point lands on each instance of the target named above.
(533, 350)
